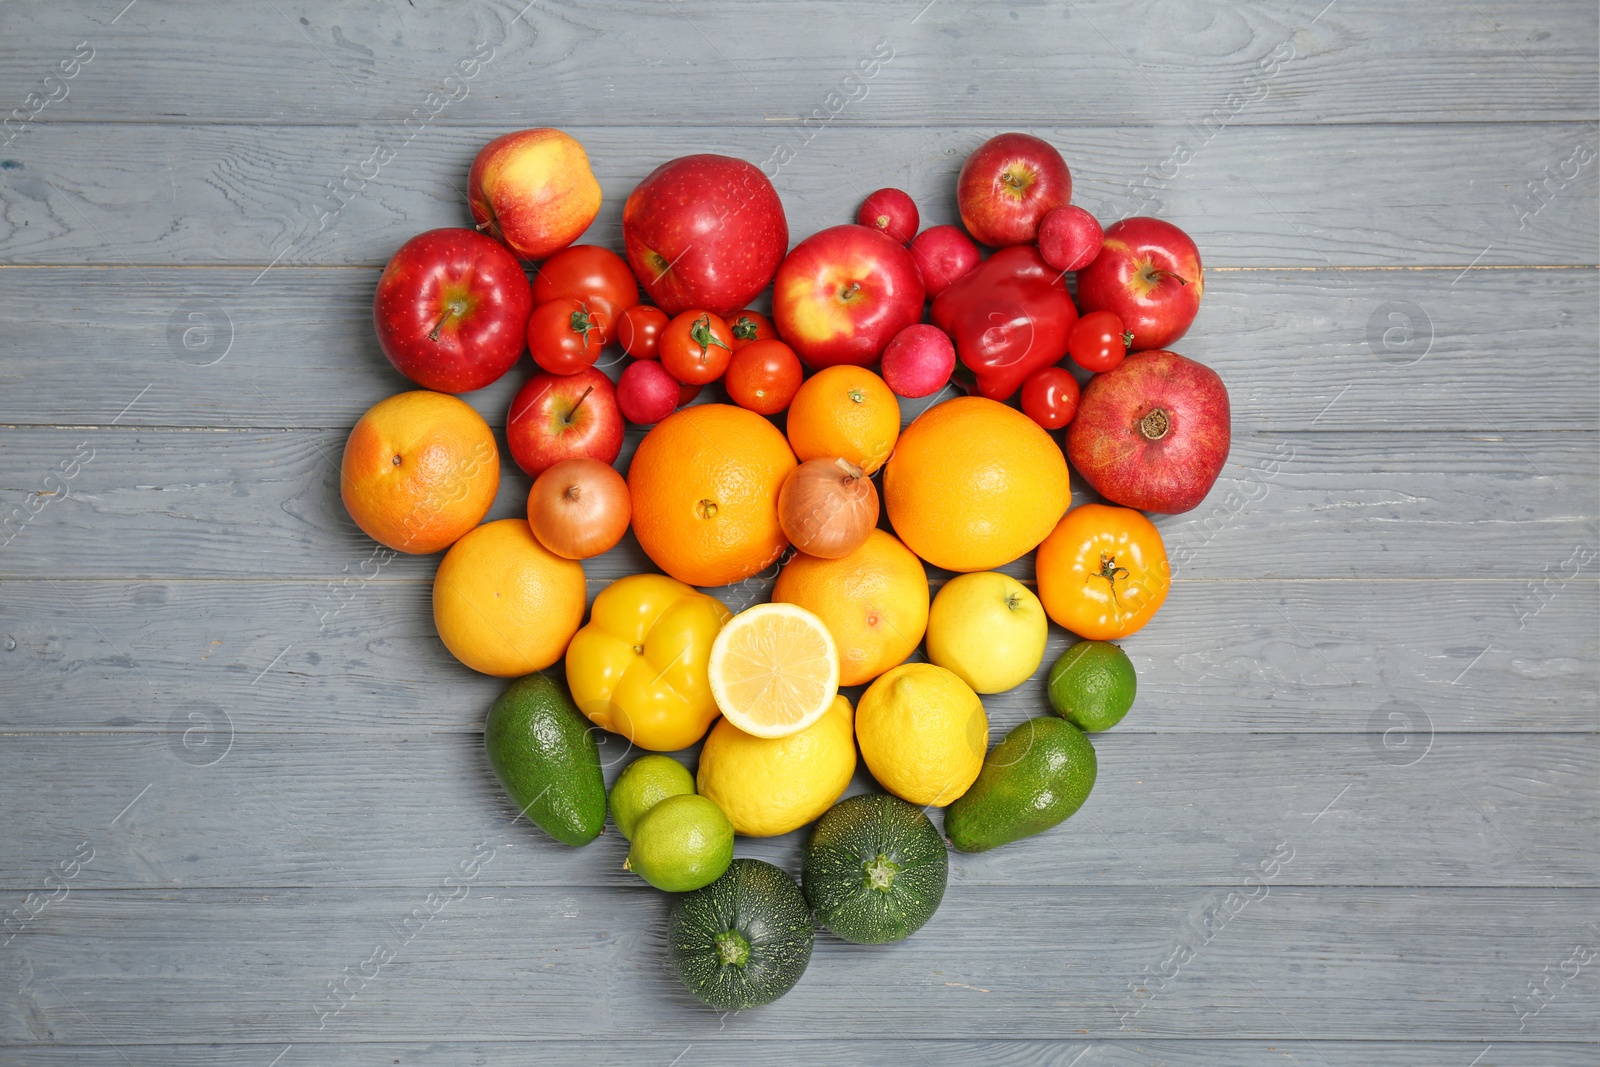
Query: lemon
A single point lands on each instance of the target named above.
(642, 785)
(683, 843)
(774, 670)
(989, 629)
(1092, 685)
(923, 733)
(769, 786)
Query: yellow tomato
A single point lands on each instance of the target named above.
(639, 667)
(1103, 571)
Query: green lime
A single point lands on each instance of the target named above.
(1092, 685)
(643, 784)
(682, 843)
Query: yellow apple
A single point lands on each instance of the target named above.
(989, 629)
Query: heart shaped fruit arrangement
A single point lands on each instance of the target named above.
(791, 458)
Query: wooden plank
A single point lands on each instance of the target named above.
(358, 656)
(717, 1051)
(733, 63)
(1254, 196)
(222, 504)
(493, 964)
(1297, 348)
(1167, 810)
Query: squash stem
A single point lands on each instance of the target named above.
(880, 872)
(732, 948)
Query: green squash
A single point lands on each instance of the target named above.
(875, 869)
(744, 940)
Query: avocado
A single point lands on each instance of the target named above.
(1032, 780)
(543, 751)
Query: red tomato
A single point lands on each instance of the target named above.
(695, 347)
(748, 326)
(1098, 342)
(763, 376)
(1050, 397)
(639, 330)
(566, 335)
(588, 272)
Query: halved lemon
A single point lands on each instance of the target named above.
(774, 670)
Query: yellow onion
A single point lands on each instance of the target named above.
(579, 508)
(827, 507)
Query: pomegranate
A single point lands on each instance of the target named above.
(1152, 433)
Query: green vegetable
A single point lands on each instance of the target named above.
(1040, 774)
(543, 751)
(875, 869)
(742, 941)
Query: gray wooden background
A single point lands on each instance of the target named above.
(235, 762)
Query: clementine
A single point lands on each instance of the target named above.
(420, 469)
(844, 411)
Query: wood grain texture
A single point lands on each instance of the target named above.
(356, 657)
(1297, 349)
(332, 811)
(313, 196)
(1128, 63)
(215, 504)
(720, 1051)
(1325, 963)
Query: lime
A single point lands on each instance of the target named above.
(642, 785)
(682, 843)
(1092, 685)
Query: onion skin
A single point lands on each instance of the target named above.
(579, 508)
(827, 507)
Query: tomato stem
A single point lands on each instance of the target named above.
(1111, 572)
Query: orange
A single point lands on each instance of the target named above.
(704, 485)
(774, 670)
(420, 469)
(503, 603)
(874, 602)
(974, 485)
(844, 411)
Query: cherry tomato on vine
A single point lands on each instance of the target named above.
(566, 335)
(639, 331)
(1050, 397)
(749, 326)
(1098, 342)
(763, 376)
(590, 273)
(695, 347)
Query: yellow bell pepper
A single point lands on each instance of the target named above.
(639, 667)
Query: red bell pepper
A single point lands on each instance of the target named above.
(1008, 316)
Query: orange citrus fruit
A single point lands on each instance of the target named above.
(844, 411)
(874, 601)
(420, 469)
(974, 484)
(774, 670)
(503, 603)
(704, 485)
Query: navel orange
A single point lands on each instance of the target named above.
(420, 469)
(844, 411)
(704, 485)
(503, 603)
(974, 484)
(874, 601)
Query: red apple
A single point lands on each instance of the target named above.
(646, 393)
(843, 293)
(1007, 185)
(704, 231)
(944, 255)
(452, 310)
(892, 211)
(1069, 237)
(1152, 433)
(533, 190)
(919, 361)
(558, 416)
(1148, 274)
